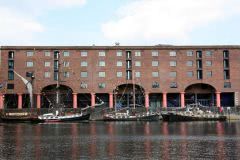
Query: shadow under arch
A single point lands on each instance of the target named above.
(124, 96)
(49, 96)
(200, 93)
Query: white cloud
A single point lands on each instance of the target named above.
(19, 22)
(158, 20)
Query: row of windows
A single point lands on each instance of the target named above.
(137, 53)
(119, 64)
(137, 74)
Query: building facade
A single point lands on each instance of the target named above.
(160, 76)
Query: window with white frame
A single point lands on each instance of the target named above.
(209, 53)
(173, 74)
(84, 54)
(83, 85)
(47, 64)
(173, 53)
(84, 74)
(189, 63)
(189, 53)
(209, 73)
(84, 64)
(66, 74)
(47, 53)
(119, 63)
(119, 53)
(29, 64)
(137, 63)
(29, 53)
(101, 85)
(101, 74)
(154, 63)
(66, 64)
(208, 63)
(137, 74)
(155, 74)
(47, 74)
(101, 53)
(119, 74)
(101, 63)
(66, 54)
(173, 63)
(154, 53)
(137, 53)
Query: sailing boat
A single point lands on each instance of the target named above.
(127, 116)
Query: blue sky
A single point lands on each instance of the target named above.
(130, 22)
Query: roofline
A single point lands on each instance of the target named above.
(119, 47)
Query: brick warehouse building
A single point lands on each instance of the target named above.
(163, 75)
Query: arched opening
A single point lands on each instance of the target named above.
(125, 94)
(200, 93)
(50, 98)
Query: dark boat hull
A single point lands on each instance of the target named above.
(172, 117)
(73, 119)
(17, 119)
(154, 117)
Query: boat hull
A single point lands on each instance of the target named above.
(70, 119)
(153, 117)
(172, 117)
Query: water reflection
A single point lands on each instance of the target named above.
(121, 140)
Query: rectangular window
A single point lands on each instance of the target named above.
(129, 54)
(29, 64)
(66, 54)
(119, 53)
(101, 74)
(10, 86)
(189, 74)
(10, 64)
(226, 54)
(66, 64)
(227, 84)
(154, 53)
(172, 53)
(137, 63)
(47, 74)
(84, 74)
(209, 73)
(119, 74)
(199, 54)
(29, 74)
(55, 75)
(209, 53)
(66, 74)
(137, 74)
(101, 64)
(101, 85)
(55, 64)
(226, 64)
(83, 85)
(154, 74)
(172, 74)
(173, 85)
(84, 64)
(199, 74)
(199, 64)
(56, 54)
(101, 54)
(84, 54)
(208, 63)
(137, 53)
(173, 63)
(129, 75)
(129, 64)
(29, 53)
(154, 63)
(47, 64)
(10, 54)
(155, 85)
(189, 53)
(47, 53)
(10, 75)
(119, 63)
(189, 63)
(226, 74)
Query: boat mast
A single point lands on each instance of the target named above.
(133, 90)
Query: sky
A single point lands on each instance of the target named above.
(129, 22)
